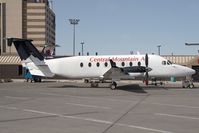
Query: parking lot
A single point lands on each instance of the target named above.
(74, 107)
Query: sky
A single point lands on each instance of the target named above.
(121, 26)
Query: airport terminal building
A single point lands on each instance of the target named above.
(191, 61)
(29, 19)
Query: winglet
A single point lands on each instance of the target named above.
(113, 64)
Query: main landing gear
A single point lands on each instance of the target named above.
(113, 85)
(95, 83)
(187, 84)
(155, 82)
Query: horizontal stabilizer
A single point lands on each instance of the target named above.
(37, 67)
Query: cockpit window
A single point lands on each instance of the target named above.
(164, 62)
(169, 62)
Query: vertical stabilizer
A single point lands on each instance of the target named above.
(30, 57)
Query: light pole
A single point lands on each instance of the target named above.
(192, 44)
(82, 43)
(74, 22)
(159, 49)
(172, 56)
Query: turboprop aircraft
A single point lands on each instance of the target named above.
(112, 67)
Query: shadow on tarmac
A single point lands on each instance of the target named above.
(136, 88)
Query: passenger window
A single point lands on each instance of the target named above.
(98, 64)
(89, 64)
(164, 62)
(123, 64)
(130, 64)
(105, 64)
(81, 64)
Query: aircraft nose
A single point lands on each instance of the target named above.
(184, 71)
(190, 71)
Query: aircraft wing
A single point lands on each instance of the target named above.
(117, 72)
(114, 72)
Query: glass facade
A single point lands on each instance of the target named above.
(2, 28)
(32, 19)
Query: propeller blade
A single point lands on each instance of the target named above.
(146, 60)
(147, 78)
(147, 71)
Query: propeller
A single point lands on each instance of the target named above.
(147, 69)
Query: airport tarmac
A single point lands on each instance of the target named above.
(74, 107)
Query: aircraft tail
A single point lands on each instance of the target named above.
(30, 57)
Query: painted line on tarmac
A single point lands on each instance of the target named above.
(11, 108)
(19, 98)
(173, 105)
(87, 119)
(117, 100)
(39, 112)
(90, 106)
(178, 116)
(97, 121)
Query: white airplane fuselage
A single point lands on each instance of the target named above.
(96, 66)
(114, 67)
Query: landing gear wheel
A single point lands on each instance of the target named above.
(191, 86)
(93, 84)
(86, 81)
(113, 85)
(36, 79)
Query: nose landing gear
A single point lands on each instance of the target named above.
(187, 84)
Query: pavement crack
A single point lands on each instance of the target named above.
(83, 113)
(124, 114)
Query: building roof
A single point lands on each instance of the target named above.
(14, 60)
(180, 59)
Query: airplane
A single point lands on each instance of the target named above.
(108, 67)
